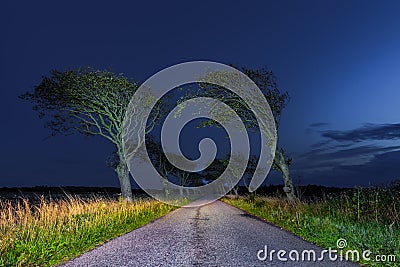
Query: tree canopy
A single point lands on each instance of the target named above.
(90, 102)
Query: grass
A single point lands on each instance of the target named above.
(367, 218)
(50, 232)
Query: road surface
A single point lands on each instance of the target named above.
(213, 235)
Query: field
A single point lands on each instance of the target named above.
(367, 218)
(46, 226)
(45, 230)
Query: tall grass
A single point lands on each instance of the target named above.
(49, 232)
(368, 218)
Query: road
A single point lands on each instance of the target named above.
(216, 234)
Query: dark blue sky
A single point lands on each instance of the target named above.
(339, 60)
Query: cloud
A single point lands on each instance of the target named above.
(323, 145)
(329, 154)
(367, 132)
(313, 127)
(381, 169)
(353, 157)
(318, 124)
(386, 163)
(326, 162)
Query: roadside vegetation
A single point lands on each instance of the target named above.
(367, 218)
(50, 232)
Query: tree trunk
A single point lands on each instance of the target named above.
(181, 190)
(235, 191)
(283, 167)
(166, 186)
(123, 177)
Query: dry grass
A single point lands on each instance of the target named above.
(51, 231)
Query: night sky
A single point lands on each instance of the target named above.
(339, 61)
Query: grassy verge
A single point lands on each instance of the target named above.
(366, 218)
(51, 232)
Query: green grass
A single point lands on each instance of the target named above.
(367, 218)
(51, 232)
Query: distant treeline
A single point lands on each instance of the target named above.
(309, 192)
(63, 189)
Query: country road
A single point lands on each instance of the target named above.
(213, 235)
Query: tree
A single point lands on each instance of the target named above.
(90, 102)
(166, 169)
(277, 100)
(267, 82)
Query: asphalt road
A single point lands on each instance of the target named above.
(213, 235)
